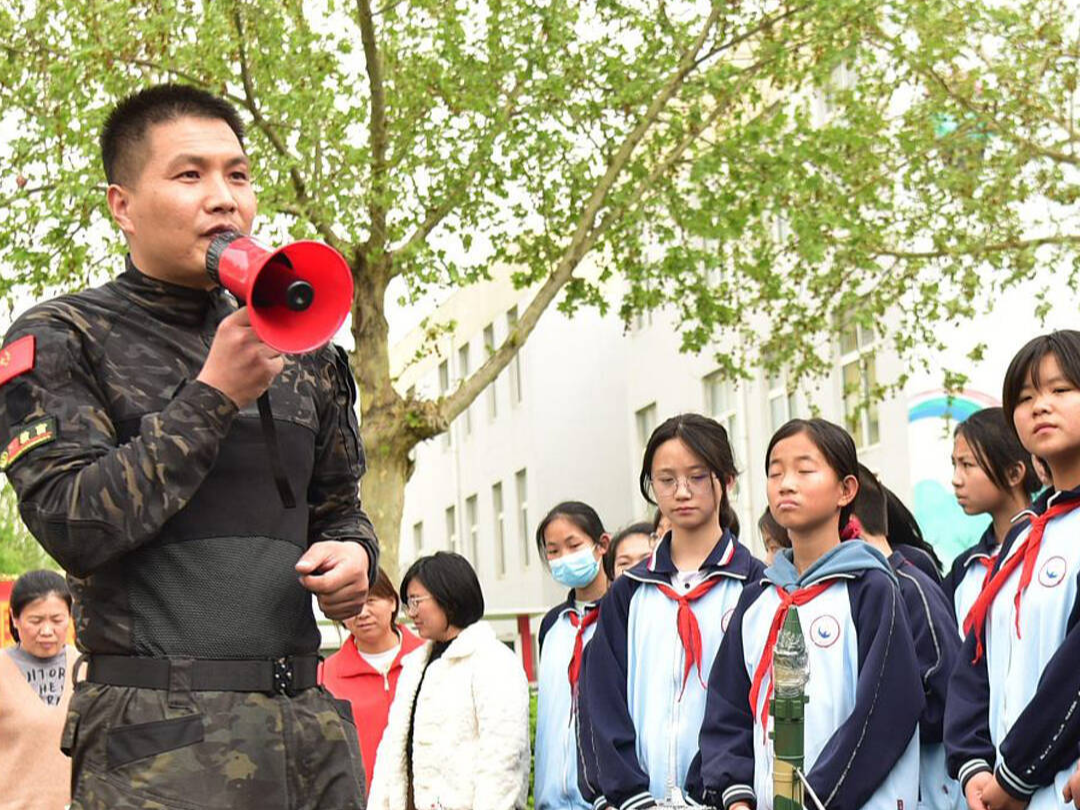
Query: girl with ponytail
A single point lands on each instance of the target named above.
(865, 696)
(661, 623)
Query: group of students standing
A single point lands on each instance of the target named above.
(923, 691)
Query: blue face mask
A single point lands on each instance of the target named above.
(575, 570)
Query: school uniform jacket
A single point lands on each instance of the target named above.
(865, 697)
(932, 623)
(969, 570)
(1017, 710)
(555, 785)
(644, 723)
(921, 560)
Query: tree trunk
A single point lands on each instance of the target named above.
(382, 493)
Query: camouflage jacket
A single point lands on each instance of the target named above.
(155, 493)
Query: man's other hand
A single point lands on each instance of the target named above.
(337, 573)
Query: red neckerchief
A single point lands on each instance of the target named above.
(1026, 553)
(581, 623)
(988, 564)
(797, 598)
(689, 631)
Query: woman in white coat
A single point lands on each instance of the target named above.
(458, 733)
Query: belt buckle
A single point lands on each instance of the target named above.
(284, 677)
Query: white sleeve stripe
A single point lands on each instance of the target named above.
(972, 767)
(736, 793)
(635, 802)
(1015, 781)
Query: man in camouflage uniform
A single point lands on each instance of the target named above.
(141, 465)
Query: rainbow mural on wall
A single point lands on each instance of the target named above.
(932, 418)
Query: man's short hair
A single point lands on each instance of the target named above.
(123, 139)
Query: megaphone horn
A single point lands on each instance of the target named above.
(298, 295)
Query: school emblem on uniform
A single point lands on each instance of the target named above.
(40, 432)
(824, 631)
(1052, 573)
(725, 620)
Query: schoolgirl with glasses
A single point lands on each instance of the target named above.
(642, 694)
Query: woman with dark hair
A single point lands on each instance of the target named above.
(643, 685)
(572, 540)
(458, 734)
(366, 669)
(773, 536)
(35, 687)
(861, 674)
(992, 475)
(628, 547)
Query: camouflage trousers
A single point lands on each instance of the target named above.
(157, 750)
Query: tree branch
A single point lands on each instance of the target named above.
(437, 213)
(376, 241)
(981, 250)
(271, 133)
(584, 237)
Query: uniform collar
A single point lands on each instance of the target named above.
(727, 558)
(570, 605)
(167, 302)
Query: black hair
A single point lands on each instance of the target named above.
(34, 585)
(453, 585)
(707, 439)
(580, 514)
(656, 518)
(642, 527)
(997, 449)
(768, 526)
(881, 512)
(1063, 345)
(127, 125)
(871, 506)
(832, 441)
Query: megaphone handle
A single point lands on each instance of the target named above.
(269, 431)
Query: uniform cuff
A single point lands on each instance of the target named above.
(638, 802)
(1013, 784)
(970, 769)
(210, 403)
(738, 793)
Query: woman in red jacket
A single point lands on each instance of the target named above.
(365, 670)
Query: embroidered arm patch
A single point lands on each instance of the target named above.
(16, 358)
(34, 435)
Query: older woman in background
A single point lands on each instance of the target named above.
(366, 669)
(35, 687)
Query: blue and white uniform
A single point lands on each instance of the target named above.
(643, 720)
(969, 570)
(555, 787)
(932, 624)
(865, 696)
(1017, 709)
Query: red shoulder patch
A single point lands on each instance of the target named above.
(16, 358)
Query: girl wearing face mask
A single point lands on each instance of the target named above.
(572, 539)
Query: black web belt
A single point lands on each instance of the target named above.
(286, 676)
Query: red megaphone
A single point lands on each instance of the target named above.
(298, 295)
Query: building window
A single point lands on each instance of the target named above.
(492, 396)
(516, 384)
(522, 485)
(858, 374)
(451, 528)
(500, 529)
(463, 374)
(418, 538)
(645, 422)
(472, 516)
(444, 389)
(782, 403)
(721, 402)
